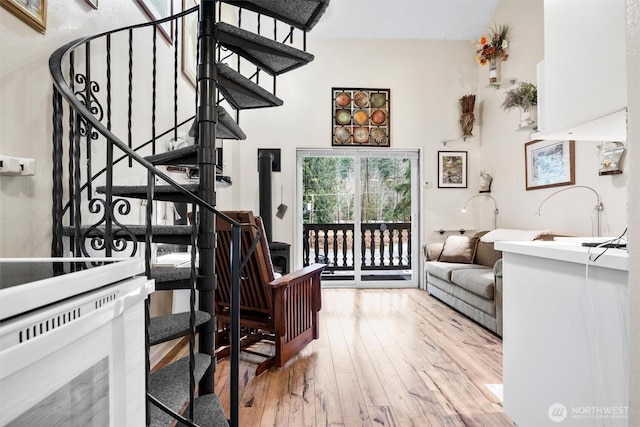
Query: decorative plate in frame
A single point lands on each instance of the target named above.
(361, 117)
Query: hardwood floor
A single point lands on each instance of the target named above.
(385, 357)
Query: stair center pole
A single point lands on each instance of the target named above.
(207, 118)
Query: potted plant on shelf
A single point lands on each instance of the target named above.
(524, 97)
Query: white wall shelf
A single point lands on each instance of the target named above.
(531, 127)
(507, 81)
(459, 230)
(462, 138)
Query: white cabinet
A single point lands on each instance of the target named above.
(584, 66)
(565, 342)
(72, 345)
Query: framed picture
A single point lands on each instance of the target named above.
(360, 117)
(452, 169)
(190, 41)
(549, 164)
(92, 3)
(33, 12)
(158, 9)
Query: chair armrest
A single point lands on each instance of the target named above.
(497, 271)
(497, 268)
(310, 273)
(298, 275)
(432, 250)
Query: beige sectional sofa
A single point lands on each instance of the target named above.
(473, 288)
(466, 273)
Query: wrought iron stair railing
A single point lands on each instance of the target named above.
(114, 89)
(90, 125)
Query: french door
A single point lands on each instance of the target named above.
(357, 213)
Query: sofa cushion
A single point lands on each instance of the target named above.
(480, 281)
(432, 250)
(460, 249)
(443, 269)
(485, 252)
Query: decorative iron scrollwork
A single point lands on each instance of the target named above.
(86, 94)
(96, 235)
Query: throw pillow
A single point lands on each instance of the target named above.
(460, 249)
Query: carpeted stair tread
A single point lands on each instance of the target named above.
(269, 55)
(185, 156)
(171, 326)
(164, 193)
(302, 14)
(175, 234)
(241, 92)
(209, 412)
(170, 385)
(227, 127)
(168, 278)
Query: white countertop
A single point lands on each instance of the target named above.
(569, 250)
(19, 299)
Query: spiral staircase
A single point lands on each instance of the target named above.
(117, 98)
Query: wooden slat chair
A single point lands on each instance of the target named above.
(283, 309)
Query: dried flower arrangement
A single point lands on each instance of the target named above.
(468, 102)
(493, 45)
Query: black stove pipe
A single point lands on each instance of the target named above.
(265, 162)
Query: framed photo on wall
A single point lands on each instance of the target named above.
(33, 12)
(190, 41)
(452, 169)
(549, 164)
(158, 9)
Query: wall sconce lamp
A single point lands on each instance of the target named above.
(598, 208)
(495, 205)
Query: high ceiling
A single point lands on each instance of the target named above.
(406, 19)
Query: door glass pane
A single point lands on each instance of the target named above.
(385, 191)
(328, 214)
(356, 216)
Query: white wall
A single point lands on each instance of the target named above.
(585, 74)
(633, 137)
(426, 79)
(25, 112)
(502, 148)
(25, 107)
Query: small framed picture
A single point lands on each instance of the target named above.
(452, 169)
(549, 164)
(33, 12)
(158, 9)
(190, 41)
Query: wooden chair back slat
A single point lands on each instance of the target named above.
(255, 273)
